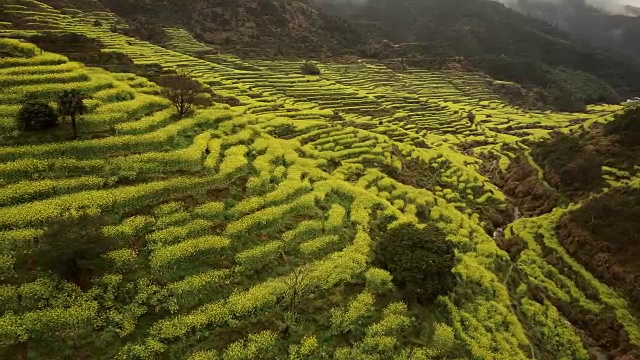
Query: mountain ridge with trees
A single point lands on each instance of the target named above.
(491, 37)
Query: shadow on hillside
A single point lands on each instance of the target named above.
(604, 235)
(528, 192)
(569, 165)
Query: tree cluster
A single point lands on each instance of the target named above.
(420, 261)
(626, 127)
(184, 93)
(569, 165)
(37, 115)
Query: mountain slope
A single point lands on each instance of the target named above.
(586, 23)
(496, 39)
(493, 38)
(247, 229)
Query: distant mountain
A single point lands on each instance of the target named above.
(620, 31)
(506, 44)
(632, 10)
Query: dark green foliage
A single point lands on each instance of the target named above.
(37, 115)
(145, 28)
(285, 132)
(310, 68)
(420, 260)
(415, 172)
(584, 87)
(471, 117)
(66, 43)
(604, 235)
(72, 248)
(568, 165)
(566, 89)
(489, 36)
(626, 127)
(559, 98)
(71, 104)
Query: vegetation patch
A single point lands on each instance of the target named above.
(531, 194)
(310, 68)
(603, 234)
(569, 165)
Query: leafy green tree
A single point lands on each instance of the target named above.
(471, 118)
(36, 115)
(71, 104)
(420, 260)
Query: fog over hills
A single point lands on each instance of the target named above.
(613, 24)
(618, 7)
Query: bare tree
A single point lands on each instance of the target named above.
(183, 92)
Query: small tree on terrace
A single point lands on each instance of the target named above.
(183, 92)
(36, 115)
(71, 104)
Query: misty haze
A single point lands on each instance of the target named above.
(319, 179)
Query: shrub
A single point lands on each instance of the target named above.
(37, 115)
(420, 260)
(355, 316)
(378, 280)
(310, 68)
(443, 338)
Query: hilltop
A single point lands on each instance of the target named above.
(275, 220)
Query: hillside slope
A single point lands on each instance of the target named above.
(506, 44)
(246, 230)
(617, 31)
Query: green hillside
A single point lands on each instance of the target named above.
(250, 229)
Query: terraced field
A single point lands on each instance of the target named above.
(245, 231)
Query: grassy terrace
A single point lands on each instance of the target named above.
(215, 216)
